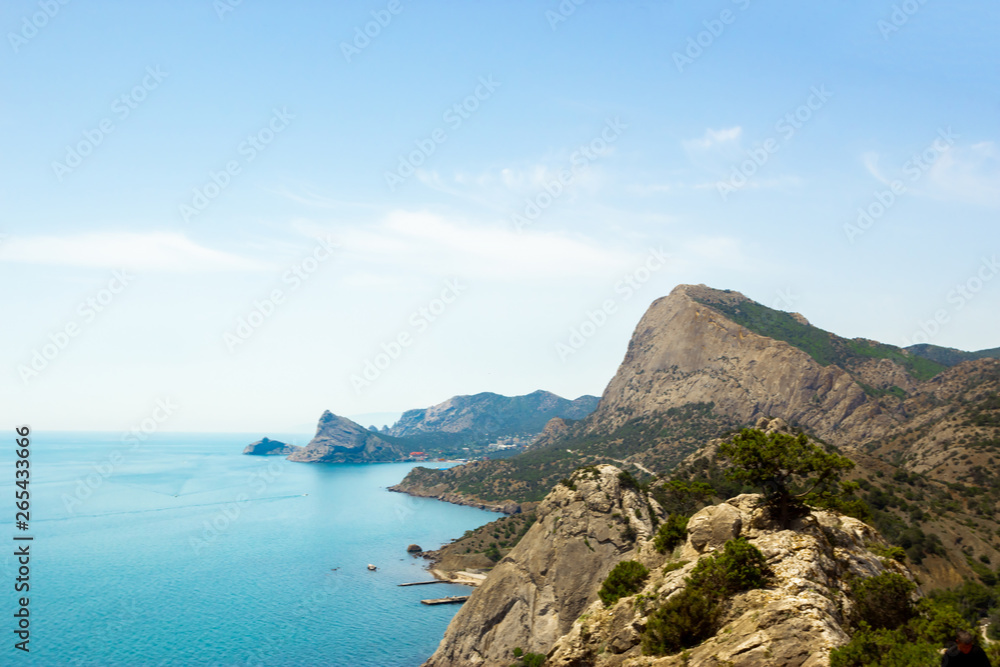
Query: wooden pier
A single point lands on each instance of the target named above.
(449, 600)
(423, 583)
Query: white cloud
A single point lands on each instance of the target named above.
(148, 251)
(969, 175)
(714, 139)
(427, 242)
(870, 160)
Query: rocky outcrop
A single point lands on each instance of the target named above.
(684, 351)
(554, 429)
(542, 597)
(794, 622)
(489, 413)
(535, 593)
(340, 440)
(268, 447)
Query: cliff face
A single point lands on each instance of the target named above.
(492, 413)
(536, 592)
(542, 597)
(340, 440)
(684, 351)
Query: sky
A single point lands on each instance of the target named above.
(225, 215)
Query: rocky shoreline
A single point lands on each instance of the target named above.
(458, 499)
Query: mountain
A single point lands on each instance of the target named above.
(340, 440)
(460, 426)
(949, 356)
(268, 447)
(544, 596)
(703, 363)
(491, 414)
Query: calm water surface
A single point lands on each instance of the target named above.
(182, 551)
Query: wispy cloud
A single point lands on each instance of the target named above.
(967, 174)
(714, 139)
(151, 251)
(961, 174)
(422, 241)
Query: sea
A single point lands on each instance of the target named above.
(179, 550)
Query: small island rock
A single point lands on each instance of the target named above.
(268, 447)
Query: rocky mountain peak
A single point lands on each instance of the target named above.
(686, 349)
(341, 440)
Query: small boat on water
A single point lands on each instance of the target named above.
(372, 567)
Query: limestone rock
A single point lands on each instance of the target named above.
(535, 593)
(795, 622)
(713, 526)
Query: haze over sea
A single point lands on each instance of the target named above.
(161, 565)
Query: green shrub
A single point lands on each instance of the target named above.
(884, 648)
(627, 481)
(917, 642)
(671, 533)
(685, 620)
(740, 567)
(692, 615)
(568, 483)
(895, 553)
(533, 659)
(625, 579)
(671, 567)
(883, 601)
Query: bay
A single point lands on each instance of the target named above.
(179, 550)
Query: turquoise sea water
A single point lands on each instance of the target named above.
(186, 552)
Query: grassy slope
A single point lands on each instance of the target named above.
(825, 347)
(949, 356)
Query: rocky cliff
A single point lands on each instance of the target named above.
(340, 440)
(543, 596)
(687, 349)
(268, 447)
(535, 593)
(489, 413)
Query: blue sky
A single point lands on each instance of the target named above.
(463, 187)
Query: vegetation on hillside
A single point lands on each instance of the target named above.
(625, 579)
(662, 441)
(688, 618)
(492, 541)
(789, 470)
(888, 630)
(824, 347)
(949, 356)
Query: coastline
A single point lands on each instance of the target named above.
(508, 508)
